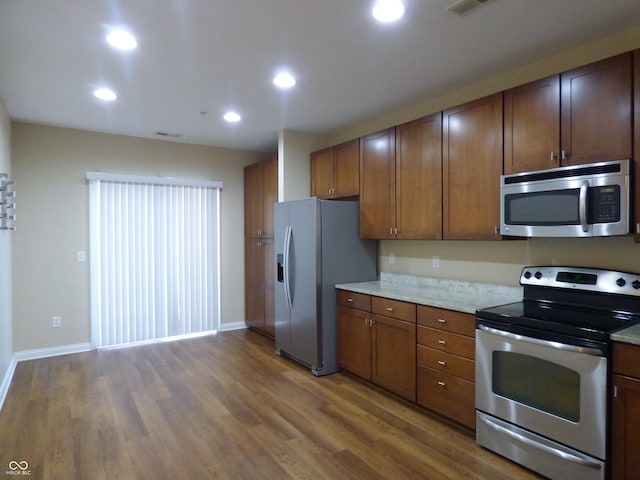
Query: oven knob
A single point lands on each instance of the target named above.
(621, 282)
(527, 274)
(538, 275)
(636, 284)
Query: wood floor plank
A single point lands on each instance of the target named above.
(224, 407)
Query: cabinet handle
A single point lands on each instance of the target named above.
(442, 342)
(442, 384)
(395, 231)
(442, 320)
(615, 391)
(637, 227)
(553, 156)
(564, 155)
(349, 300)
(389, 309)
(496, 230)
(390, 230)
(442, 362)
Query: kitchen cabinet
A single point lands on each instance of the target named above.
(377, 341)
(335, 171)
(377, 185)
(580, 116)
(401, 181)
(260, 193)
(625, 412)
(472, 165)
(636, 143)
(446, 363)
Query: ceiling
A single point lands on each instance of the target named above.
(197, 58)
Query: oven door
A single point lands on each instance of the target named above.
(555, 390)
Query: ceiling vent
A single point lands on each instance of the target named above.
(465, 6)
(167, 134)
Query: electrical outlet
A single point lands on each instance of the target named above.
(392, 258)
(56, 322)
(435, 261)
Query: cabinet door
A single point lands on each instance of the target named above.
(346, 161)
(472, 165)
(269, 179)
(636, 142)
(596, 111)
(252, 200)
(377, 185)
(268, 285)
(322, 173)
(394, 356)
(354, 341)
(254, 288)
(532, 126)
(625, 429)
(419, 178)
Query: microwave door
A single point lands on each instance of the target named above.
(552, 209)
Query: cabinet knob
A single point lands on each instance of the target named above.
(442, 320)
(442, 384)
(442, 362)
(442, 342)
(349, 300)
(389, 309)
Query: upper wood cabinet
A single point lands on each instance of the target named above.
(401, 181)
(377, 185)
(335, 171)
(260, 193)
(419, 179)
(472, 165)
(636, 143)
(581, 116)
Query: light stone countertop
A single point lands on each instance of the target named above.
(628, 335)
(458, 295)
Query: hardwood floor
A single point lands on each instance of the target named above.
(222, 407)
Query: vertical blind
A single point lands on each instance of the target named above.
(154, 258)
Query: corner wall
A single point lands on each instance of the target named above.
(49, 166)
(6, 335)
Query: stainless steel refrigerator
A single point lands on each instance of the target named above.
(317, 244)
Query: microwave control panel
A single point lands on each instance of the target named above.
(604, 204)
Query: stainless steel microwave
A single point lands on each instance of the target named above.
(591, 200)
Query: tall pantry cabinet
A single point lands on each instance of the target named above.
(260, 193)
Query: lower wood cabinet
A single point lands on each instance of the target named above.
(446, 363)
(377, 341)
(625, 412)
(423, 354)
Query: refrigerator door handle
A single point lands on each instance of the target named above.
(287, 247)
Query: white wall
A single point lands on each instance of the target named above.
(6, 347)
(49, 166)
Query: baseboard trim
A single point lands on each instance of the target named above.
(227, 327)
(6, 381)
(52, 351)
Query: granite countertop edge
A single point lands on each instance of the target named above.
(457, 295)
(628, 335)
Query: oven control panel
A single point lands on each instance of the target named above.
(591, 279)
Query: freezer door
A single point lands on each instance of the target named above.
(297, 328)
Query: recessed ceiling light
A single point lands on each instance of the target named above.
(122, 40)
(284, 80)
(105, 94)
(388, 10)
(232, 117)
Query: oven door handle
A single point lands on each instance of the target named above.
(596, 352)
(545, 448)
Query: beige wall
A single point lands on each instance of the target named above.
(6, 347)
(294, 177)
(49, 165)
(499, 262)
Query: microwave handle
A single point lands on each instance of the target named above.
(583, 206)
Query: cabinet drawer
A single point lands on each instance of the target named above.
(447, 342)
(447, 363)
(626, 359)
(394, 308)
(447, 395)
(359, 301)
(456, 322)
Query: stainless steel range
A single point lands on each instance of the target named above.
(542, 369)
